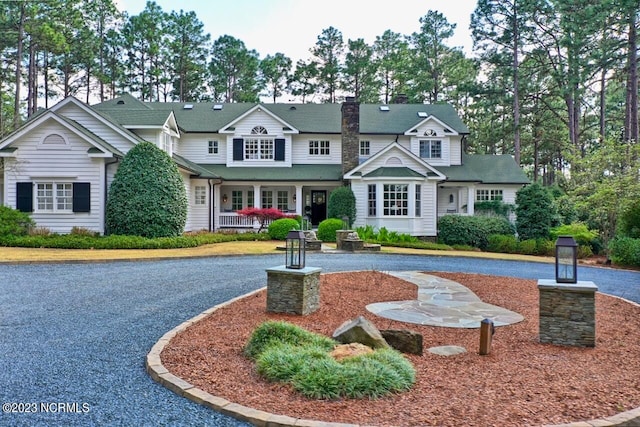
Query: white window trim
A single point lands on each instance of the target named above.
(200, 195)
(319, 147)
(213, 147)
(429, 142)
(54, 197)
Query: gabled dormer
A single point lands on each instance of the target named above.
(258, 138)
(435, 142)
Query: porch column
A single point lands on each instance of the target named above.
(215, 205)
(299, 200)
(257, 197)
(471, 198)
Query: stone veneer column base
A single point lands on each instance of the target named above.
(567, 313)
(294, 291)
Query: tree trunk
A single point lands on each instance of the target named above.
(19, 54)
(516, 88)
(631, 110)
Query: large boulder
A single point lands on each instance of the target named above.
(403, 340)
(360, 331)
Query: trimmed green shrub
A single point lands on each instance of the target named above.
(625, 251)
(14, 223)
(528, 247)
(277, 333)
(471, 230)
(342, 202)
(327, 229)
(502, 243)
(147, 196)
(286, 352)
(535, 212)
(279, 228)
(75, 241)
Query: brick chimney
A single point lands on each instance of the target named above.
(350, 134)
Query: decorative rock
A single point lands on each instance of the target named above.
(360, 331)
(353, 349)
(447, 350)
(403, 340)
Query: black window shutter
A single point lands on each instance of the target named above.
(24, 199)
(238, 149)
(279, 154)
(81, 197)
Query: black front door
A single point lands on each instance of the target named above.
(318, 206)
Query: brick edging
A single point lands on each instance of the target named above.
(160, 374)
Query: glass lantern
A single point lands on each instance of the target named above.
(295, 249)
(566, 260)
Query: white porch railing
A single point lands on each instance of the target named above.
(233, 220)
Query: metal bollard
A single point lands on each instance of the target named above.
(486, 334)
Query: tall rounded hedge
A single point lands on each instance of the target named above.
(342, 202)
(147, 196)
(279, 228)
(327, 229)
(535, 212)
(472, 230)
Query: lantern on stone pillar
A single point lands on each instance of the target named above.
(566, 260)
(295, 249)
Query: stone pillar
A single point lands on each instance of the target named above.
(341, 236)
(294, 291)
(350, 134)
(567, 313)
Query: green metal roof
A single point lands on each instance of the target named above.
(394, 172)
(294, 173)
(487, 169)
(193, 167)
(201, 117)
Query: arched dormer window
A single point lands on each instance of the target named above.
(259, 146)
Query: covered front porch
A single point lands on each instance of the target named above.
(455, 199)
(308, 200)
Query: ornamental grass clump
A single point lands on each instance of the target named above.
(287, 353)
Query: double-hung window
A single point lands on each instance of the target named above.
(54, 197)
(258, 146)
(283, 200)
(372, 199)
(319, 148)
(267, 199)
(200, 195)
(213, 147)
(431, 149)
(365, 148)
(236, 200)
(396, 200)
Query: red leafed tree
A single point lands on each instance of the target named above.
(263, 215)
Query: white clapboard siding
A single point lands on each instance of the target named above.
(63, 163)
(97, 126)
(195, 147)
(455, 150)
(274, 129)
(198, 216)
(300, 149)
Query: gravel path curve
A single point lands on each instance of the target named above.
(73, 337)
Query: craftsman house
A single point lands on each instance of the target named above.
(405, 162)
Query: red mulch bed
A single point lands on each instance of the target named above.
(521, 382)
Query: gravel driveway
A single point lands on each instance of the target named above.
(73, 337)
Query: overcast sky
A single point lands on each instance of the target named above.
(292, 27)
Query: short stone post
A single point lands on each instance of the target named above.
(294, 291)
(567, 313)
